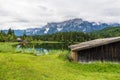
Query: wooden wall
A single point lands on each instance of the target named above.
(109, 52)
(74, 56)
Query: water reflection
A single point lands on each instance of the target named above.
(38, 51)
(41, 48)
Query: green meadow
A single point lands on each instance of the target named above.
(53, 66)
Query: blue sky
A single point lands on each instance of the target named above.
(22, 14)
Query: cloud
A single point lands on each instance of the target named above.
(21, 14)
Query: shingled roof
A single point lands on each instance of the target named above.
(93, 43)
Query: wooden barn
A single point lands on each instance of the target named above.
(107, 49)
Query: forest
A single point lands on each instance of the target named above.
(62, 36)
(9, 36)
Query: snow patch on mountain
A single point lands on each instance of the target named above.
(46, 31)
(59, 29)
(78, 25)
(84, 30)
(35, 32)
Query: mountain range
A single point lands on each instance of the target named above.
(77, 24)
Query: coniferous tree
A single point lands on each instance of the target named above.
(10, 32)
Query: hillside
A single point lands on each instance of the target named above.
(108, 32)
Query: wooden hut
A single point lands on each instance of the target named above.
(107, 49)
(19, 40)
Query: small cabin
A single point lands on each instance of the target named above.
(107, 49)
(19, 40)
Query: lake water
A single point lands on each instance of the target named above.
(42, 48)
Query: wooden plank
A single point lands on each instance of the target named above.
(110, 52)
(74, 56)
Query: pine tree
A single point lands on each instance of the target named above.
(10, 32)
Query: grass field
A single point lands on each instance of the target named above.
(23, 66)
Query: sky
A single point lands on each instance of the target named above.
(22, 14)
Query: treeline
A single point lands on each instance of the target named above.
(10, 36)
(66, 37)
(6, 37)
(80, 36)
(62, 36)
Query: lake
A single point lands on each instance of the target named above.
(42, 48)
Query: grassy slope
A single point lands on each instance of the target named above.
(108, 32)
(19, 66)
(50, 67)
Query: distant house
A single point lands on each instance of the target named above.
(107, 49)
(22, 43)
(19, 40)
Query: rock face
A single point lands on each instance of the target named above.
(66, 26)
(69, 25)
